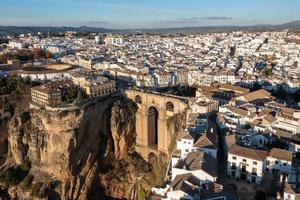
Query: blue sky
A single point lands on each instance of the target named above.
(147, 13)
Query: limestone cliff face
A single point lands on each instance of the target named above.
(80, 148)
(123, 133)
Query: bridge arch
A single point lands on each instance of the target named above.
(152, 126)
(152, 133)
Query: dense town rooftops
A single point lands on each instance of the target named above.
(234, 88)
(236, 110)
(53, 87)
(257, 95)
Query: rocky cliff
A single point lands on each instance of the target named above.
(85, 153)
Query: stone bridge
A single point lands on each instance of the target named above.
(154, 110)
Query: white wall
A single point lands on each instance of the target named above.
(272, 165)
(260, 167)
(186, 146)
(287, 196)
(176, 195)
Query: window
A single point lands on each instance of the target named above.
(233, 157)
(268, 163)
(244, 160)
(276, 162)
(254, 163)
(233, 166)
(244, 167)
(186, 150)
(170, 106)
(284, 164)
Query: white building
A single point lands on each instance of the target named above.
(207, 143)
(16, 45)
(246, 164)
(184, 146)
(279, 159)
(224, 78)
(200, 164)
(163, 79)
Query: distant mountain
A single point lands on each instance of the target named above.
(293, 24)
(9, 30)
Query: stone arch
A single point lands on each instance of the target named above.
(138, 99)
(170, 106)
(152, 126)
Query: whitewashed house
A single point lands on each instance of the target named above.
(246, 164)
(200, 164)
(184, 145)
(208, 144)
(279, 159)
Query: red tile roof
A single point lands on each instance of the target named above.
(245, 152)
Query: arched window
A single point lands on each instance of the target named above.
(170, 106)
(152, 126)
(138, 99)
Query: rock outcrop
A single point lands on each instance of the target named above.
(123, 133)
(81, 150)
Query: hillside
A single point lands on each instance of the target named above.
(10, 30)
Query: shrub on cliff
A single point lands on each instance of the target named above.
(15, 174)
(27, 181)
(9, 176)
(36, 190)
(25, 166)
(79, 99)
